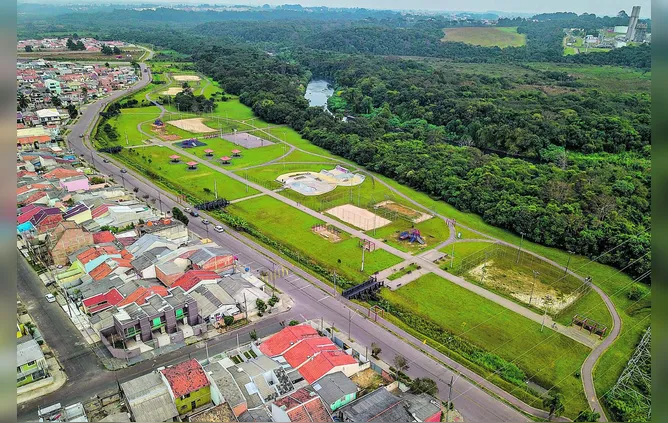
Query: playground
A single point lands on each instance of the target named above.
(358, 217)
(311, 183)
(328, 232)
(406, 212)
(247, 140)
(194, 125)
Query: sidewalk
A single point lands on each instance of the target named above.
(42, 387)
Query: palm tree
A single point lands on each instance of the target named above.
(555, 404)
(22, 101)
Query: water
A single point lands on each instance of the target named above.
(317, 93)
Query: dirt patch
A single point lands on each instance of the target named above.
(186, 77)
(413, 215)
(168, 137)
(361, 218)
(367, 380)
(328, 232)
(519, 286)
(192, 125)
(173, 90)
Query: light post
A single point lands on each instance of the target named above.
(547, 301)
(520, 250)
(532, 285)
(570, 254)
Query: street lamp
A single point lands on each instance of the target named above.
(570, 254)
(520, 250)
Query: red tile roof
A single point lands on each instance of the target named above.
(283, 340)
(23, 173)
(29, 212)
(60, 173)
(36, 196)
(101, 272)
(140, 295)
(306, 349)
(31, 139)
(100, 210)
(185, 377)
(103, 236)
(122, 262)
(193, 277)
(304, 406)
(323, 363)
(101, 301)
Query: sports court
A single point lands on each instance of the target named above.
(186, 77)
(194, 125)
(358, 217)
(247, 140)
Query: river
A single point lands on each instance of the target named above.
(317, 93)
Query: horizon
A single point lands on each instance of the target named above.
(485, 6)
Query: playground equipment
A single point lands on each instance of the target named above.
(367, 245)
(411, 236)
(327, 231)
(158, 123)
(589, 324)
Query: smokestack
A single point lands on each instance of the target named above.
(633, 21)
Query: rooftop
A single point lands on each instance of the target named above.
(334, 386)
(185, 377)
(324, 362)
(193, 277)
(286, 338)
(148, 398)
(28, 351)
(304, 406)
(225, 383)
(377, 406)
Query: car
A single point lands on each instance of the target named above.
(205, 221)
(194, 213)
(81, 136)
(218, 228)
(105, 160)
(187, 210)
(50, 298)
(124, 171)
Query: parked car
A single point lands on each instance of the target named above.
(205, 221)
(194, 213)
(124, 171)
(105, 160)
(187, 210)
(218, 228)
(50, 298)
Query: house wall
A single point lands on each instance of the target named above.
(69, 242)
(75, 185)
(435, 418)
(200, 397)
(165, 278)
(343, 401)
(348, 369)
(278, 414)
(217, 264)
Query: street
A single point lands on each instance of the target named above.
(312, 299)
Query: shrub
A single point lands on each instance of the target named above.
(293, 323)
(228, 320)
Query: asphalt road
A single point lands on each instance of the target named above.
(311, 301)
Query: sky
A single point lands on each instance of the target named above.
(608, 7)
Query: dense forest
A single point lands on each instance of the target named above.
(536, 152)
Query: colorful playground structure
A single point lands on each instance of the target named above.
(411, 236)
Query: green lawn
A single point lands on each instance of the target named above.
(434, 231)
(292, 228)
(547, 357)
(249, 156)
(191, 182)
(126, 124)
(300, 156)
(626, 79)
(486, 36)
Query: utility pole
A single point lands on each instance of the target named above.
(570, 253)
(159, 202)
(532, 286)
(349, 320)
(215, 188)
(447, 410)
(246, 307)
(206, 345)
(547, 301)
(452, 256)
(518, 251)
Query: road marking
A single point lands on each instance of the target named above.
(304, 287)
(324, 298)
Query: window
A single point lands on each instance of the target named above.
(185, 396)
(156, 322)
(179, 313)
(31, 363)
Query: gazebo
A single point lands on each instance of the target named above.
(192, 165)
(208, 152)
(225, 160)
(236, 153)
(175, 158)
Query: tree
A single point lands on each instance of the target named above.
(554, 404)
(80, 46)
(375, 349)
(106, 50)
(56, 101)
(106, 64)
(634, 293)
(400, 363)
(117, 50)
(293, 323)
(425, 385)
(84, 93)
(228, 320)
(71, 45)
(72, 111)
(22, 101)
(178, 215)
(587, 416)
(253, 334)
(273, 300)
(261, 306)
(28, 49)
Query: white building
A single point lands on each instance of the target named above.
(47, 116)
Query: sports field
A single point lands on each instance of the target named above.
(547, 358)
(249, 156)
(126, 124)
(181, 179)
(486, 36)
(292, 228)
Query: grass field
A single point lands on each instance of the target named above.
(191, 182)
(126, 124)
(486, 36)
(300, 156)
(547, 357)
(434, 231)
(293, 228)
(625, 79)
(249, 156)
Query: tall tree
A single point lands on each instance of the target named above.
(554, 404)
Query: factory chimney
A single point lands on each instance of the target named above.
(633, 21)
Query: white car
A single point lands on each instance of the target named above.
(205, 221)
(50, 298)
(218, 228)
(187, 210)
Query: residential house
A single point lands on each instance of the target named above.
(66, 238)
(53, 86)
(335, 390)
(244, 292)
(75, 183)
(144, 263)
(224, 388)
(170, 229)
(130, 212)
(188, 385)
(148, 399)
(193, 278)
(286, 338)
(148, 242)
(214, 303)
(383, 406)
(48, 116)
(78, 213)
(258, 380)
(46, 219)
(218, 413)
(30, 362)
(99, 295)
(300, 406)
